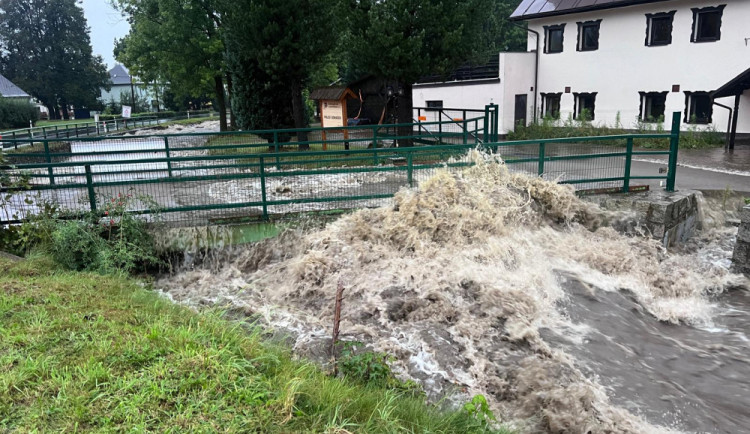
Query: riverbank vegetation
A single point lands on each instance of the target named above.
(87, 352)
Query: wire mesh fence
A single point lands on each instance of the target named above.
(196, 179)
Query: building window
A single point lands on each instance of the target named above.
(437, 104)
(698, 107)
(653, 106)
(707, 24)
(659, 28)
(553, 38)
(551, 105)
(585, 106)
(588, 35)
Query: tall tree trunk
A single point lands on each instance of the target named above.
(298, 111)
(230, 95)
(52, 111)
(221, 102)
(65, 112)
(405, 115)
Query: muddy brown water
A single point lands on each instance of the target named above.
(689, 377)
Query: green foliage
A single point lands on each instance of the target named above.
(694, 137)
(17, 114)
(368, 367)
(13, 187)
(480, 410)
(747, 200)
(46, 50)
(85, 352)
(176, 42)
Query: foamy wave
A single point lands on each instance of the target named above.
(455, 280)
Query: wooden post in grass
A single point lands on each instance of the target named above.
(336, 323)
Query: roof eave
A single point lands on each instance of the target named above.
(582, 9)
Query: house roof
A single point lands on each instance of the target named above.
(735, 86)
(119, 75)
(10, 90)
(330, 93)
(529, 9)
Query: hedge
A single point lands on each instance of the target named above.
(17, 114)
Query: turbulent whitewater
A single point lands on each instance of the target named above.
(463, 281)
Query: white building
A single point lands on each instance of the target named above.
(123, 86)
(619, 59)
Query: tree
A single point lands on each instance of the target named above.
(45, 48)
(179, 42)
(273, 49)
(404, 40)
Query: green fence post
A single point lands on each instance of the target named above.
(166, 152)
(44, 133)
(276, 149)
(466, 132)
(440, 130)
(49, 161)
(90, 187)
(486, 123)
(263, 188)
(628, 159)
(540, 169)
(76, 128)
(375, 145)
(410, 169)
(674, 143)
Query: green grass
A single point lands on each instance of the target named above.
(85, 352)
(46, 123)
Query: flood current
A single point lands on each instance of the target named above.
(493, 283)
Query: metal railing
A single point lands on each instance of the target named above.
(29, 136)
(212, 177)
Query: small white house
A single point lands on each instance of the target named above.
(122, 83)
(619, 60)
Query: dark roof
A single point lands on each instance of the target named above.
(491, 69)
(328, 93)
(119, 75)
(10, 90)
(529, 9)
(735, 86)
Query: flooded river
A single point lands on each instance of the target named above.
(511, 287)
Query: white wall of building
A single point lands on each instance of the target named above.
(516, 77)
(623, 65)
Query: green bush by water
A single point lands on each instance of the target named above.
(695, 137)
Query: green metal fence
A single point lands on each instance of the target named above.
(213, 177)
(73, 130)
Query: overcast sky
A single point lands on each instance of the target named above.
(106, 25)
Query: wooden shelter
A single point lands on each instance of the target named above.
(332, 108)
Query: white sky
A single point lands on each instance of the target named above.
(106, 24)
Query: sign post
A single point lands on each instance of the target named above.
(126, 110)
(332, 107)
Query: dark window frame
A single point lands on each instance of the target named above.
(430, 105)
(547, 30)
(649, 27)
(576, 105)
(689, 108)
(644, 100)
(596, 24)
(545, 104)
(696, 21)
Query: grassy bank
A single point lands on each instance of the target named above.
(86, 352)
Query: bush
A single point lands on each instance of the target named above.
(548, 128)
(17, 114)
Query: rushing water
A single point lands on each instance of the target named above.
(510, 286)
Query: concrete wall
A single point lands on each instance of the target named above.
(516, 78)
(623, 65)
(741, 258)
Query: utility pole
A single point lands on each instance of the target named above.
(132, 93)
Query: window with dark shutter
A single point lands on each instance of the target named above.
(553, 38)
(585, 106)
(707, 24)
(699, 108)
(588, 35)
(551, 105)
(659, 28)
(653, 106)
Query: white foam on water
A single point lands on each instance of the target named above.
(455, 281)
